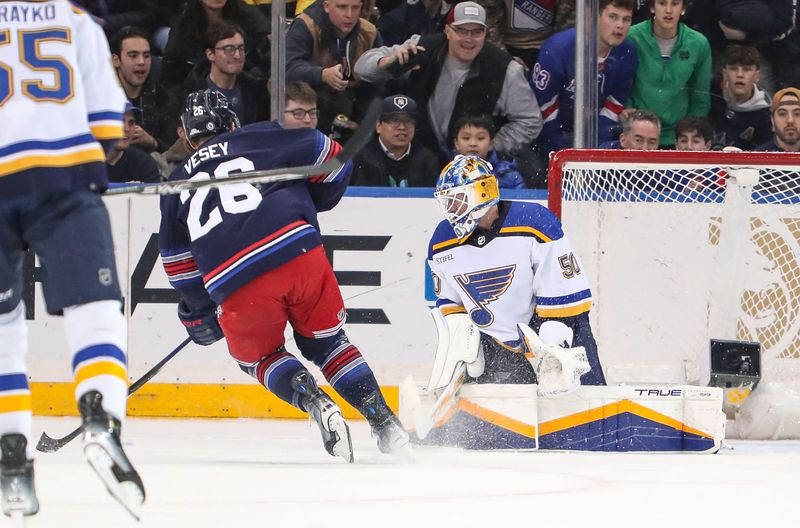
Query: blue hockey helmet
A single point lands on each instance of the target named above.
(207, 112)
(466, 190)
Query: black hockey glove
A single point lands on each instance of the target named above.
(202, 325)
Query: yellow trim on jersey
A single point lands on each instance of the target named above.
(568, 311)
(446, 243)
(56, 160)
(15, 403)
(526, 229)
(101, 368)
(614, 409)
(107, 131)
(450, 310)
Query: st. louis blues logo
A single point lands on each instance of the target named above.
(484, 287)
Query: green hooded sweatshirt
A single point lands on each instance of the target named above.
(674, 88)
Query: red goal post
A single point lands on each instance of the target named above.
(682, 247)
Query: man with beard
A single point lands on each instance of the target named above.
(785, 122)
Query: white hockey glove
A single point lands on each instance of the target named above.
(557, 364)
(459, 342)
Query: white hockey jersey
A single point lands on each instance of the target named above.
(59, 96)
(500, 277)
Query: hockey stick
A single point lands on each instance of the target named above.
(444, 403)
(50, 445)
(350, 149)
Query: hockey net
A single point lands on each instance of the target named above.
(682, 247)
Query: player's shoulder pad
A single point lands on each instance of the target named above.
(533, 220)
(443, 238)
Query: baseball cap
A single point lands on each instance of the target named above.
(780, 94)
(468, 13)
(398, 104)
(135, 110)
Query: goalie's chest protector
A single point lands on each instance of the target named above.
(500, 277)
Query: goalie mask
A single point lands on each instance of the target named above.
(207, 112)
(465, 191)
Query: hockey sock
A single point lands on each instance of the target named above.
(349, 375)
(275, 372)
(15, 395)
(96, 336)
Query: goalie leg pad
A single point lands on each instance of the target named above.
(459, 342)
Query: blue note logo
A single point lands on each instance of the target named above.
(483, 287)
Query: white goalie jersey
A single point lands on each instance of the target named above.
(501, 277)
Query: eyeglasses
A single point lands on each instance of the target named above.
(397, 121)
(230, 49)
(461, 32)
(299, 113)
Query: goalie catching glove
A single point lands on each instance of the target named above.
(201, 325)
(557, 364)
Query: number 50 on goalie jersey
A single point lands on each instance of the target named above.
(500, 277)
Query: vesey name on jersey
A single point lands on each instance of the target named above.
(29, 13)
(217, 150)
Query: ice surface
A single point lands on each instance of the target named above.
(275, 473)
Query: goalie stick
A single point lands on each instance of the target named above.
(444, 403)
(349, 149)
(47, 444)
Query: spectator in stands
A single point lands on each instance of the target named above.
(125, 164)
(641, 130)
(674, 74)
(322, 45)
(301, 106)
(167, 11)
(694, 133)
(785, 122)
(130, 55)
(393, 158)
(413, 17)
(457, 74)
(224, 72)
(740, 109)
(528, 24)
(187, 37)
(113, 15)
(474, 137)
(553, 77)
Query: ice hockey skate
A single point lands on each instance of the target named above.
(103, 450)
(335, 432)
(16, 478)
(390, 434)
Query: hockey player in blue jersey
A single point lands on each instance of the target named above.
(61, 106)
(508, 269)
(553, 76)
(246, 259)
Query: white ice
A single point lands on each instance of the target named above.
(275, 473)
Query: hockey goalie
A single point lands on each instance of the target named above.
(517, 366)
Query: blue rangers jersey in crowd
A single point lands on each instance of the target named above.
(553, 82)
(217, 240)
(523, 269)
(60, 99)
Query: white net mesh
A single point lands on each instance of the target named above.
(682, 248)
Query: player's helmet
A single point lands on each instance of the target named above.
(466, 189)
(207, 112)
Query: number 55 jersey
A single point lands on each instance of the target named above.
(523, 265)
(219, 239)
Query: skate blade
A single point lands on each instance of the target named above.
(344, 445)
(403, 454)
(127, 493)
(18, 519)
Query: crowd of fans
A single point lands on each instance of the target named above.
(493, 77)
